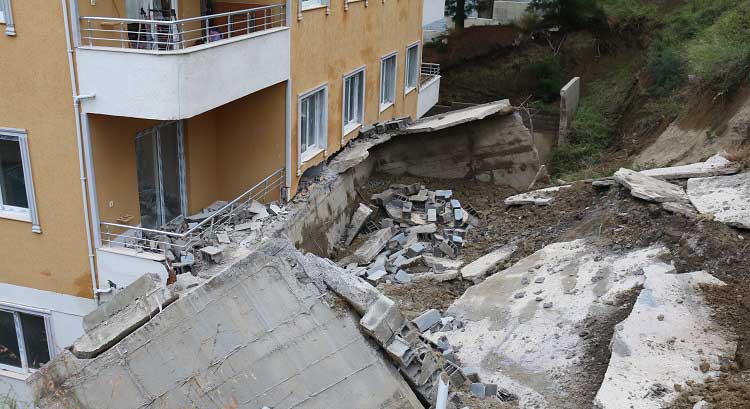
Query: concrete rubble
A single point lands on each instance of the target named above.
(716, 165)
(725, 198)
(528, 317)
(667, 338)
(258, 334)
(404, 246)
(540, 197)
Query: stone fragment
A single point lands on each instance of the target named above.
(415, 250)
(402, 277)
(716, 165)
(360, 216)
(479, 268)
(649, 188)
(427, 320)
(431, 215)
(223, 237)
(441, 264)
(541, 197)
(726, 198)
(478, 389)
(248, 226)
(274, 209)
(539, 280)
(547, 305)
(685, 209)
(215, 254)
(400, 350)
(471, 373)
(443, 194)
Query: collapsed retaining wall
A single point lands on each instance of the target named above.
(259, 334)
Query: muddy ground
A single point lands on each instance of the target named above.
(611, 218)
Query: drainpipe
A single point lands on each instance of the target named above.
(79, 137)
(288, 151)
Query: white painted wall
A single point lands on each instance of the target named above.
(428, 96)
(123, 266)
(166, 85)
(66, 316)
(506, 12)
(432, 11)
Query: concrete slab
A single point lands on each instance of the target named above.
(714, 166)
(526, 348)
(649, 188)
(727, 198)
(359, 218)
(374, 245)
(142, 287)
(461, 116)
(664, 340)
(479, 268)
(258, 334)
(541, 197)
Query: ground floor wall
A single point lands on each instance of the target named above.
(65, 316)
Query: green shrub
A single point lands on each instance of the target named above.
(588, 140)
(666, 67)
(623, 12)
(570, 14)
(548, 78)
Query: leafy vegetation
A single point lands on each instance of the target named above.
(549, 78)
(666, 67)
(572, 14)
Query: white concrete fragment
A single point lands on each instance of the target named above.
(359, 218)
(668, 334)
(479, 268)
(685, 209)
(649, 188)
(453, 118)
(727, 198)
(528, 346)
(714, 166)
(541, 197)
(373, 245)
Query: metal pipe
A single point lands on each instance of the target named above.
(441, 402)
(79, 141)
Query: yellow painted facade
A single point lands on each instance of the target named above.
(227, 149)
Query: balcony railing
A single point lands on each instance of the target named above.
(428, 71)
(155, 241)
(164, 35)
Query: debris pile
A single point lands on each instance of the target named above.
(416, 234)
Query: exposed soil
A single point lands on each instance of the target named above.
(613, 219)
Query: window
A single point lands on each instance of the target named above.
(354, 100)
(387, 81)
(24, 341)
(6, 17)
(309, 4)
(16, 185)
(412, 67)
(313, 123)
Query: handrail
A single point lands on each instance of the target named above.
(161, 35)
(193, 235)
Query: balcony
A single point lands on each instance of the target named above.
(429, 88)
(176, 69)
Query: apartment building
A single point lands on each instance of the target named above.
(119, 116)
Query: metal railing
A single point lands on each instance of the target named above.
(166, 35)
(154, 241)
(428, 71)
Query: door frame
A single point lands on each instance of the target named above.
(182, 168)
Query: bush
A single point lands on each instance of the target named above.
(529, 22)
(548, 78)
(571, 14)
(666, 67)
(588, 140)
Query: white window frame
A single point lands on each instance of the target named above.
(18, 213)
(347, 128)
(387, 104)
(305, 5)
(409, 66)
(321, 139)
(15, 310)
(6, 17)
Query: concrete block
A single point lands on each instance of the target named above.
(144, 286)
(569, 97)
(400, 350)
(431, 215)
(444, 194)
(214, 253)
(373, 246)
(402, 277)
(360, 216)
(471, 373)
(482, 266)
(415, 250)
(478, 389)
(274, 209)
(455, 204)
(427, 320)
(223, 237)
(382, 320)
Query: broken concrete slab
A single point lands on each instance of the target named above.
(649, 188)
(259, 333)
(214, 253)
(539, 343)
(374, 245)
(461, 116)
(727, 198)
(479, 268)
(540, 197)
(427, 320)
(668, 335)
(223, 237)
(248, 226)
(685, 209)
(714, 166)
(442, 264)
(143, 287)
(382, 320)
(358, 220)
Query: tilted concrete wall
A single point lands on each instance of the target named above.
(258, 334)
(497, 149)
(569, 96)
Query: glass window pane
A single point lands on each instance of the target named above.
(9, 351)
(147, 169)
(303, 123)
(12, 183)
(35, 340)
(170, 167)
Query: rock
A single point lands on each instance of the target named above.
(649, 188)
(726, 198)
(479, 268)
(702, 404)
(660, 317)
(704, 366)
(541, 197)
(442, 264)
(520, 294)
(547, 305)
(685, 209)
(695, 398)
(539, 280)
(358, 220)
